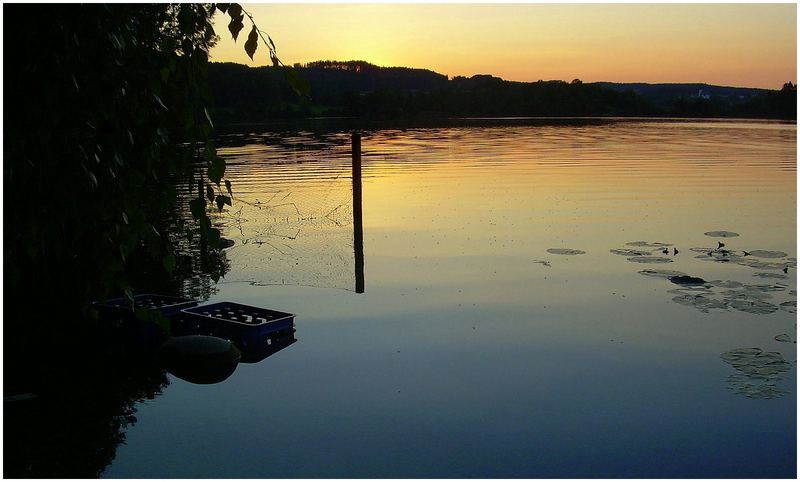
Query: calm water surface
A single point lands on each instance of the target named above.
(475, 351)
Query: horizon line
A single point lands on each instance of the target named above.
(451, 77)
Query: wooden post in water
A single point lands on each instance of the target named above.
(358, 228)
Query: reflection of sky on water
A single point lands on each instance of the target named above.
(475, 351)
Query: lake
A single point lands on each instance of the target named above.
(526, 312)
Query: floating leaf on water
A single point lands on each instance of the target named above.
(691, 290)
(764, 365)
(784, 338)
(789, 306)
(687, 280)
(754, 263)
(630, 252)
(700, 302)
(646, 244)
(649, 259)
(722, 234)
(765, 288)
(719, 257)
(760, 253)
(771, 275)
(754, 306)
(745, 295)
(661, 273)
(565, 251)
(726, 283)
(754, 388)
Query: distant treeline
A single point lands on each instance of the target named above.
(360, 89)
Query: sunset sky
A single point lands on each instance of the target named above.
(729, 44)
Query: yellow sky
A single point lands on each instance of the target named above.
(727, 44)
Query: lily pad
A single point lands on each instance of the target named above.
(687, 280)
(745, 295)
(726, 283)
(750, 388)
(789, 306)
(565, 251)
(754, 306)
(630, 252)
(757, 363)
(721, 234)
(765, 288)
(771, 275)
(754, 263)
(661, 273)
(647, 244)
(702, 303)
(761, 253)
(649, 259)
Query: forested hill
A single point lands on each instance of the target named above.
(360, 89)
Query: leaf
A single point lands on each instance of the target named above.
(154, 317)
(210, 193)
(158, 99)
(236, 26)
(163, 134)
(209, 153)
(223, 7)
(208, 117)
(228, 187)
(222, 200)
(198, 208)
(129, 295)
(234, 10)
(210, 33)
(213, 237)
(271, 42)
(252, 42)
(169, 263)
(217, 170)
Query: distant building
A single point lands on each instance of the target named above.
(702, 95)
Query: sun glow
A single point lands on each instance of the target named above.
(731, 44)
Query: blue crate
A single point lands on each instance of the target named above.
(273, 344)
(247, 326)
(120, 320)
(167, 305)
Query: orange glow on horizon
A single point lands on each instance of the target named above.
(747, 45)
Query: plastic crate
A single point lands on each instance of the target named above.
(120, 320)
(247, 326)
(167, 305)
(266, 348)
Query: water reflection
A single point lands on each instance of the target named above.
(470, 326)
(74, 426)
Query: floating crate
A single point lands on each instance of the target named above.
(120, 320)
(268, 347)
(247, 326)
(166, 305)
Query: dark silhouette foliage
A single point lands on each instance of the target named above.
(360, 89)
